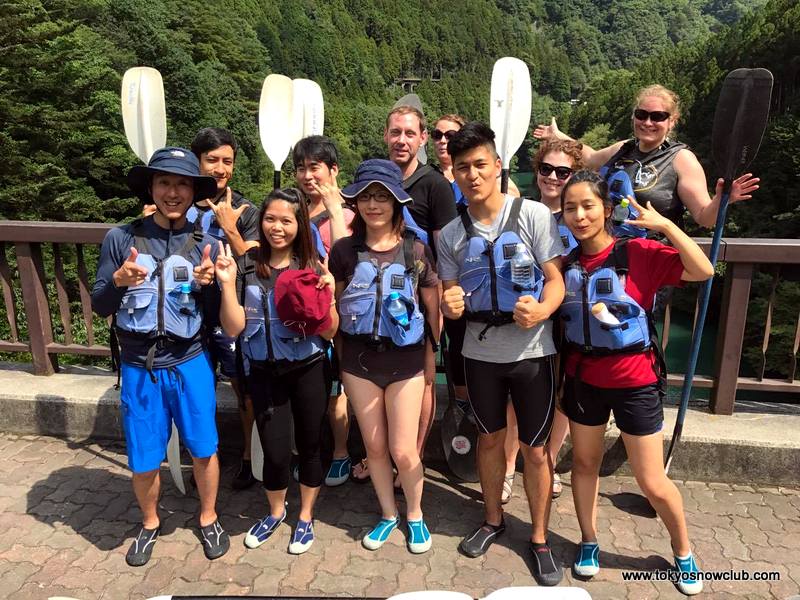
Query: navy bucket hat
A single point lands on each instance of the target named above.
(378, 170)
(173, 161)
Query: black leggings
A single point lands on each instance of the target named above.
(301, 393)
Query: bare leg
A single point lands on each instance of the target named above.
(587, 455)
(538, 486)
(277, 502)
(402, 415)
(368, 403)
(308, 497)
(147, 487)
(206, 473)
(557, 436)
(340, 424)
(491, 469)
(511, 443)
(646, 456)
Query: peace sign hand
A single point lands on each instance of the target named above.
(225, 267)
(130, 273)
(649, 217)
(325, 278)
(226, 215)
(204, 273)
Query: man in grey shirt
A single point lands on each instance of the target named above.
(508, 346)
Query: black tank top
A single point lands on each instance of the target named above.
(653, 176)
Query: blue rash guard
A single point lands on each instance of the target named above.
(106, 297)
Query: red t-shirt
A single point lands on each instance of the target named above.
(651, 265)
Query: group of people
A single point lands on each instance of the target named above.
(339, 296)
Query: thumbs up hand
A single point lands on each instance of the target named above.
(204, 273)
(130, 273)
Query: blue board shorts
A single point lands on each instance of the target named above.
(183, 393)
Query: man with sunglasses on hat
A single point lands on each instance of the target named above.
(151, 276)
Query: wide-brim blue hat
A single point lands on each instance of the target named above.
(378, 170)
(175, 161)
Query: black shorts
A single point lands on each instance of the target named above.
(455, 330)
(531, 383)
(637, 411)
(222, 349)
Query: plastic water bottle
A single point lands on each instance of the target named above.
(186, 293)
(397, 309)
(522, 268)
(620, 212)
(602, 314)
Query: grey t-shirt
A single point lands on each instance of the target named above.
(504, 343)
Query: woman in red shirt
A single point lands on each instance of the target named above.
(610, 360)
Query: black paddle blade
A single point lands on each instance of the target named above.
(740, 120)
(460, 443)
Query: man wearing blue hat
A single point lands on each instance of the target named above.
(150, 277)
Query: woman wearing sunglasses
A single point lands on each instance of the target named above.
(443, 131)
(664, 172)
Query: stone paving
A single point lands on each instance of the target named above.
(67, 515)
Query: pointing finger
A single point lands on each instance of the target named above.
(228, 251)
(221, 248)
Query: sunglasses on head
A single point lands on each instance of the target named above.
(656, 116)
(562, 173)
(437, 135)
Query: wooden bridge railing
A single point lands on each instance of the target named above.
(38, 277)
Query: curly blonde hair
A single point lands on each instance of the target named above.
(670, 98)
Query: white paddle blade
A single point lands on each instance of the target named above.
(275, 124)
(256, 454)
(308, 108)
(510, 106)
(174, 459)
(143, 111)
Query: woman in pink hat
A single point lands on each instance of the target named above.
(285, 314)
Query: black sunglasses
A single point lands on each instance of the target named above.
(656, 116)
(438, 135)
(562, 173)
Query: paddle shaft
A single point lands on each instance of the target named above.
(276, 179)
(694, 353)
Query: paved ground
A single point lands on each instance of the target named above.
(67, 514)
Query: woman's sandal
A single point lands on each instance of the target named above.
(360, 472)
(508, 488)
(557, 487)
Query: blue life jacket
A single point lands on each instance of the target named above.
(411, 225)
(157, 309)
(265, 337)
(582, 330)
(363, 306)
(485, 276)
(619, 187)
(569, 241)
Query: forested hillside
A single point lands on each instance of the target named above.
(62, 60)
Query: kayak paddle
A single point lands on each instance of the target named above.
(510, 109)
(275, 123)
(143, 111)
(308, 109)
(739, 123)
